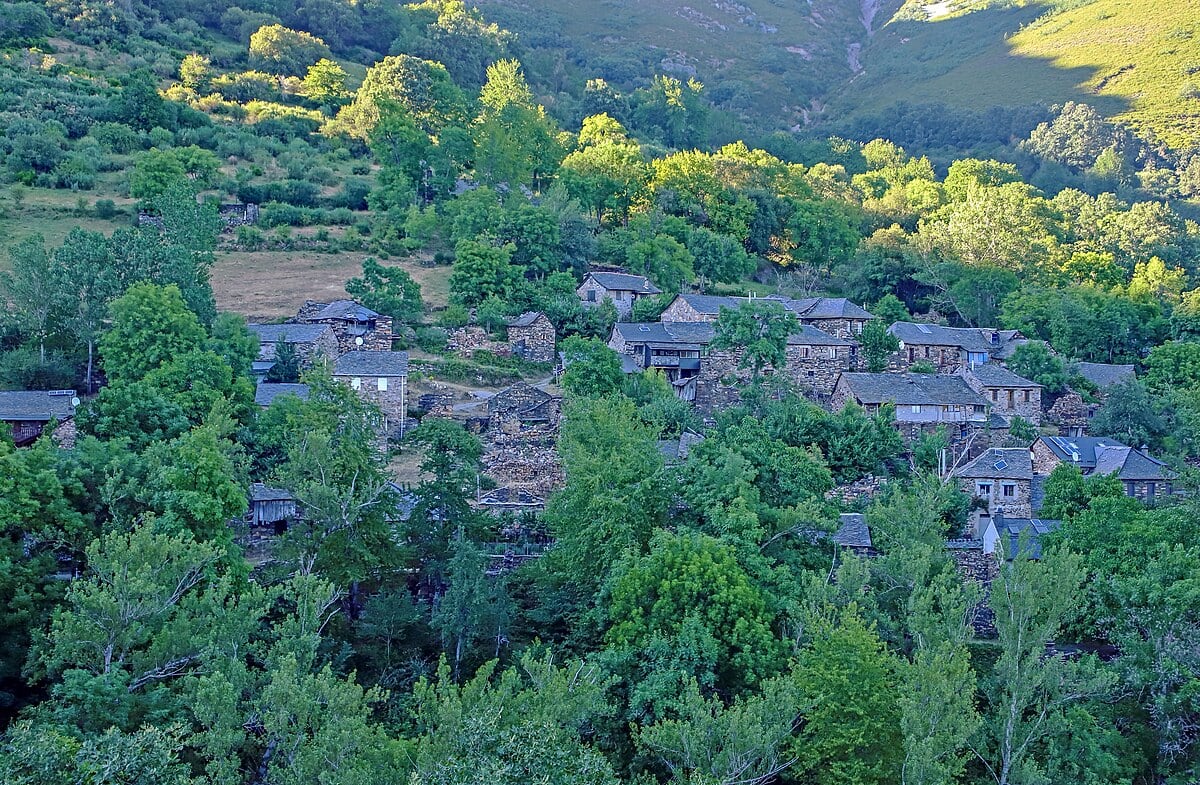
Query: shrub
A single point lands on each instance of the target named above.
(105, 209)
(454, 316)
(432, 339)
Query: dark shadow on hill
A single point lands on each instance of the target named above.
(959, 71)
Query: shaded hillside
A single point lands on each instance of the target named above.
(766, 60)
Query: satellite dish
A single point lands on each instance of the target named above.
(358, 341)
(75, 401)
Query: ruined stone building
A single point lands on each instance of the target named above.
(531, 337)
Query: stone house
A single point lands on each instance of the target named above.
(355, 326)
(1001, 478)
(266, 393)
(621, 288)
(835, 316)
(950, 349)
(521, 408)
(310, 342)
(1141, 476)
(28, 412)
(378, 377)
(531, 337)
(1008, 394)
(1004, 533)
(923, 401)
(675, 348)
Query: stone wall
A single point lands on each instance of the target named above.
(1070, 414)
(523, 461)
(464, 341)
(1044, 459)
(946, 359)
(813, 372)
(979, 569)
(623, 301)
(1020, 505)
(392, 401)
(998, 397)
(680, 311)
(64, 434)
(841, 327)
(534, 343)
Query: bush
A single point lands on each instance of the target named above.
(432, 339)
(105, 209)
(250, 238)
(115, 137)
(454, 316)
(20, 369)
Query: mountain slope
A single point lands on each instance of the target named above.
(1135, 60)
(768, 60)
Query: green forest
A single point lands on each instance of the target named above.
(670, 619)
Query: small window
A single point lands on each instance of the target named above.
(381, 384)
(591, 295)
(1010, 490)
(916, 408)
(983, 489)
(356, 383)
(1027, 396)
(858, 327)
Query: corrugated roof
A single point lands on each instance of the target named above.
(366, 363)
(991, 375)
(36, 405)
(1104, 375)
(624, 282)
(266, 393)
(911, 389)
(292, 332)
(999, 463)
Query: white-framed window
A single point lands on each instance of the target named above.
(356, 383)
(916, 408)
(983, 489)
(381, 384)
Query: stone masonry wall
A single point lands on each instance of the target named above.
(1018, 506)
(534, 343)
(680, 311)
(390, 401)
(946, 359)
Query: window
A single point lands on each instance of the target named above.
(1010, 490)
(381, 384)
(833, 352)
(994, 394)
(804, 352)
(983, 489)
(1027, 396)
(591, 295)
(916, 408)
(356, 383)
(858, 327)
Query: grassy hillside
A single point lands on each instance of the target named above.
(1135, 60)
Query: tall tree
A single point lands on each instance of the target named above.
(759, 330)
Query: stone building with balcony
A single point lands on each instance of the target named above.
(835, 316)
(950, 349)
(923, 402)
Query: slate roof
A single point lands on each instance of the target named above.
(994, 376)
(527, 319)
(345, 310)
(853, 532)
(1103, 455)
(266, 393)
(1104, 375)
(806, 308)
(262, 493)
(623, 282)
(510, 497)
(36, 405)
(999, 463)
(697, 334)
(827, 308)
(998, 343)
(910, 389)
(292, 332)
(367, 363)
(1011, 529)
(677, 450)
